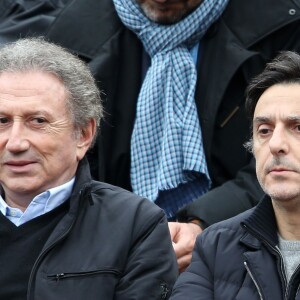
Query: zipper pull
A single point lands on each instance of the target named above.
(230, 116)
(59, 276)
(164, 291)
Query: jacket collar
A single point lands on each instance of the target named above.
(89, 30)
(83, 177)
(269, 18)
(80, 194)
(260, 225)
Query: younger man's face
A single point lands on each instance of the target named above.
(276, 142)
(167, 11)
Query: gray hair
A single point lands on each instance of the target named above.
(249, 145)
(36, 54)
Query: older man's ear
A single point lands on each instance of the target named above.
(85, 139)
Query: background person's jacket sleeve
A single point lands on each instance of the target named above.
(232, 198)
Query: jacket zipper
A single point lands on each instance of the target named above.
(282, 272)
(291, 279)
(43, 254)
(277, 251)
(254, 281)
(60, 276)
(297, 290)
(227, 119)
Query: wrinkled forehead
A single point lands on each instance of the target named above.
(282, 100)
(32, 89)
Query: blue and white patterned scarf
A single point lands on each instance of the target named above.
(166, 144)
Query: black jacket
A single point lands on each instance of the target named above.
(238, 259)
(110, 245)
(237, 47)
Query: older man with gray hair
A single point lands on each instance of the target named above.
(62, 235)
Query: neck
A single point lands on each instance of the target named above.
(17, 200)
(22, 204)
(288, 220)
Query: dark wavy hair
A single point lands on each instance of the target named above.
(283, 69)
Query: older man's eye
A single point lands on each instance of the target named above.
(38, 120)
(3, 120)
(297, 127)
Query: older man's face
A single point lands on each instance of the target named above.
(276, 142)
(38, 147)
(168, 11)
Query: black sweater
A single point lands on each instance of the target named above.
(22, 247)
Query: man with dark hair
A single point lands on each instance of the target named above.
(255, 255)
(63, 235)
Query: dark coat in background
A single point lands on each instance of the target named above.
(236, 48)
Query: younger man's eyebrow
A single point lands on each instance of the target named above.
(294, 118)
(261, 120)
(264, 119)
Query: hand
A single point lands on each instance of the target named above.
(183, 236)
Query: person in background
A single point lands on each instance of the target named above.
(63, 235)
(24, 18)
(226, 45)
(255, 255)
